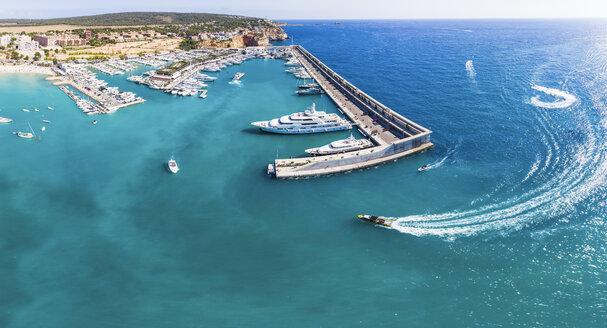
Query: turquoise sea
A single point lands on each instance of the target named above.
(506, 229)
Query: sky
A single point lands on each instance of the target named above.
(318, 9)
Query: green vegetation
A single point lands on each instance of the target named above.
(134, 18)
(188, 44)
(171, 69)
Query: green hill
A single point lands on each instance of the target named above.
(135, 18)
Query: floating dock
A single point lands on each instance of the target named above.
(394, 135)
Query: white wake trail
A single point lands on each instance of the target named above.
(567, 99)
(470, 69)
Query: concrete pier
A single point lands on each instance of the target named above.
(394, 135)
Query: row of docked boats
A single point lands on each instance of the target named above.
(313, 121)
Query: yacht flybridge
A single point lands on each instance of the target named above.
(341, 146)
(308, 121)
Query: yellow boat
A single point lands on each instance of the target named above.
(377, 220)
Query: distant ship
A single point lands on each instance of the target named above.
(309, 121)
(173, 166)
(237, 77)
(341, 146)
(377, 220)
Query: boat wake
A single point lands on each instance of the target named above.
(450, 153)
(470, 69)
(567, 99)
(564, 175)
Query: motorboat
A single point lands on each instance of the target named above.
(25, 135)
(341, 146)
(423, 168)
(46, 121)
(237, 77)
(25, 110)
(377, 220)
(308, 121)
(308, 85)
(309, 92)
(203, 94)
(50, 108)
(5, 120)
(172, 164)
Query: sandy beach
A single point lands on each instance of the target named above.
(26, 69)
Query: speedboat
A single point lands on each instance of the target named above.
(94, 122)
(237, 77)
(341, 146)
(309, 91)
(50, 108)
(25, 135)
(423, 168)
(377, 220)
(5, 120)
(173, 166)
(308, 85)
(308, 121)
(46, 121)
(25, 110)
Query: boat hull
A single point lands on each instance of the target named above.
(269, 129)
(376, 220)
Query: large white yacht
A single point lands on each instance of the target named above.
(5, 120)
(341, 146)
(309, 121)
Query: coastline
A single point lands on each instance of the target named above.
(26, 69)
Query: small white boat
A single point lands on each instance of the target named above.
(423, 168)
(46, 121)
(43, 128)
(25, 110)
(237, 77)
(25, 135)
(5, 120)
(50, 108)
(341, 146)
(203, 94)
(173, 166)
(36, 110)
(94, 122)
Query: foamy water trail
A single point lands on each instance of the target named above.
(450, 153)
(470, 69)
(564, 174)
(567, 99)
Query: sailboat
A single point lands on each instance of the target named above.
(26, 135)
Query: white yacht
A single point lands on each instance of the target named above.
(341, 146)
(237, 77)
(5, 120)
(309, 121)
(309, 91)
(173, 166)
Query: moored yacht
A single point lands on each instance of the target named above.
(341, 146)
(308, 121)
(309, 91)
(5, 120)
(25, 135)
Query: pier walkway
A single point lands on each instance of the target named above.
(394, 135)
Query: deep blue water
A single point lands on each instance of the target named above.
(507, 228)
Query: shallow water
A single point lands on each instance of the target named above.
(506, 228)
